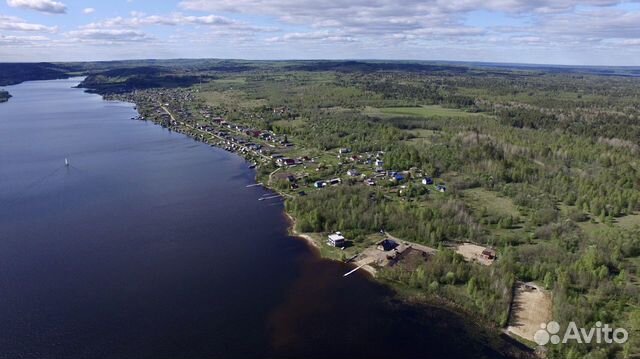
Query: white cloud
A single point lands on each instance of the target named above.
(49, 6)
(459, 29)
(138, 20)
(324, 36)
(88, 10)
(21, 40)
(296, 8)
(109, 36)
(362, 20)
(11, 23)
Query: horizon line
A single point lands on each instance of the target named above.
(465, 62)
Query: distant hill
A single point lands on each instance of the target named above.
(15, 73)
(119, 80)
(372, 66)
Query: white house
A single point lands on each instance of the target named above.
(336, 240)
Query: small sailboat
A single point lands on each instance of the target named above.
(66, 162)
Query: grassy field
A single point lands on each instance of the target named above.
(430, 111)
(231, 98)
(628, 221)
(423, 136)
(494, 203)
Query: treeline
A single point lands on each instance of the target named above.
(363, 210)
(487, 292)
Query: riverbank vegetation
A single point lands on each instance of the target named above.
(543, 166)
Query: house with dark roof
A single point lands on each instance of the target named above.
(387, 245)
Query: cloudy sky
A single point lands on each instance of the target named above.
(591, 32)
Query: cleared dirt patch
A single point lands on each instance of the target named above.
(473, 253)
(410, 259)
(531, 307)
(406, 254)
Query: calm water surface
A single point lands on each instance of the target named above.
(150, 246)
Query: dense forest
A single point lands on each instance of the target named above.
(15, 73)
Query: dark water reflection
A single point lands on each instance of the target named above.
(150, 246)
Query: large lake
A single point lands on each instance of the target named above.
(150, 245)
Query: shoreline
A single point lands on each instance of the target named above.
(294, 233)
(401, 292)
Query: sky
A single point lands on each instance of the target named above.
(569, 32)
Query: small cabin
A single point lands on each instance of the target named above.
(319, 184)
(441, 188)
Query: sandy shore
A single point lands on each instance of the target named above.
(295, 233)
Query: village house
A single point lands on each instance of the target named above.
(441, 188)
(489, 254)
(353, 172)
(285, 162)
(427, 181)
(336, 240)
(387, 245)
